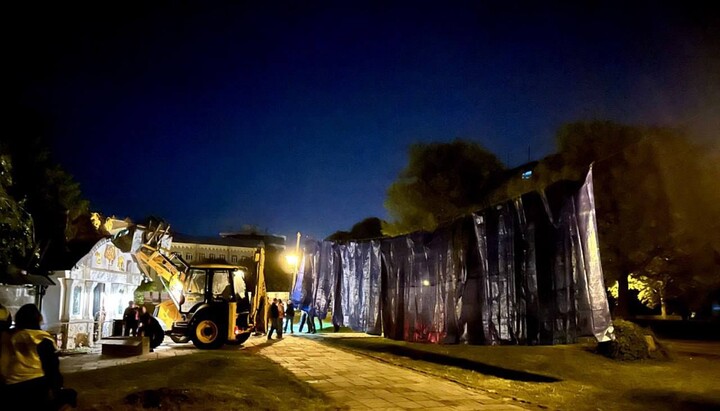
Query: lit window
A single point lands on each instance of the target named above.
(234, 259)
(212, 256)
(188, 257)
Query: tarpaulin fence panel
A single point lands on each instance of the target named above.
(325, 280)
(360, 287)
(394, 268)
(593, 310)
(523, 272)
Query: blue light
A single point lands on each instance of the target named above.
(526, 175)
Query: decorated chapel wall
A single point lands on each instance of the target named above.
(105, 277)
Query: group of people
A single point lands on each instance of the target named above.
(140, 323)
(137, 320)
(29, 363)
(280, 318)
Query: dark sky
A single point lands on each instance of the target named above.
(297, 117)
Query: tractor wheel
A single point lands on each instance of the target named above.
(156, 333)
(208, 334)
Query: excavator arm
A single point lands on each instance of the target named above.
(157, 266)
(156, 263)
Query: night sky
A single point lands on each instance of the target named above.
(298, 117)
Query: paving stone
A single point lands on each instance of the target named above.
(354, 381)
(429, 403)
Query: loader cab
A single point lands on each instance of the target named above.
(212, 284)
(209, 305)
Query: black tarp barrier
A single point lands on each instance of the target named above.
(593, 311)
(325, 278)
(526, 271)
(359, 292)
(304, 291)
(299, 295)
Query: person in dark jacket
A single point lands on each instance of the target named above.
(289, 317)
(312, 315)
(149, 327)
(30, 367)
(144, 321)
(307, 315)
(130, 317)
(274, 320)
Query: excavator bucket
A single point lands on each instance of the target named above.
(158, 267)
(124, 239)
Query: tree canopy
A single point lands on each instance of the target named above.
(16, 229)
(368, 228)
(47, 192)
(441, 181)
(655, 200)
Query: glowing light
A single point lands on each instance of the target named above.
(426, 283)
(291, 259)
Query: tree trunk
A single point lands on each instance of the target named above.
(623, 303)
(663, 308)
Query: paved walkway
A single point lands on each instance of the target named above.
(366, 384)
(356, 381)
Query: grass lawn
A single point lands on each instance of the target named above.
(208, 380)
(567, 377)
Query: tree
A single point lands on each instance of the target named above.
(655, 283)
(654, 198)
(441, 181)
(16, 228)
(47, 192)
(368, 228)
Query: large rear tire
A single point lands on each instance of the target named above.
(208, 334)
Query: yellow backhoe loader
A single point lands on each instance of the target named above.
(209, 303)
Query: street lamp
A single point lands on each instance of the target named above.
(291, 260)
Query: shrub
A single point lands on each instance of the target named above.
(630, 343)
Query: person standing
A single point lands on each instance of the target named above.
(311, 320)
(281, 317)
(274, 316)
(130, 317)
(30, 366)
(289, 317)
(306, 317)
(149, 327)
(144, 322)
